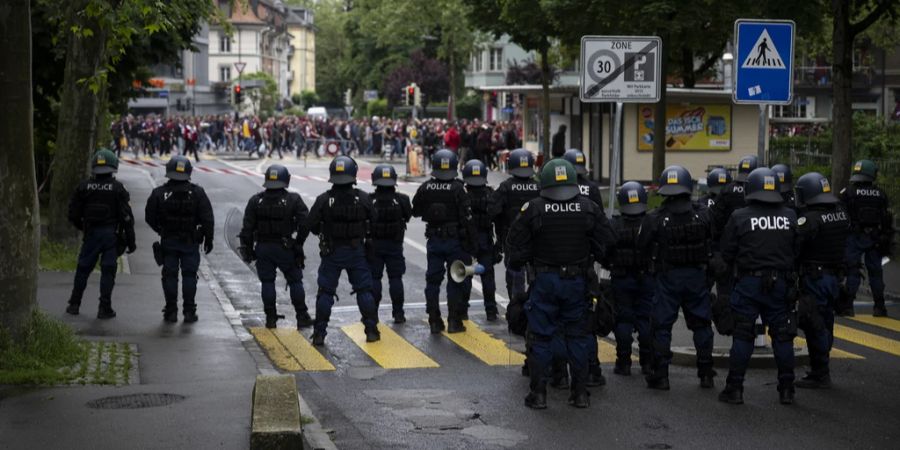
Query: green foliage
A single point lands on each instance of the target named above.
(309, 99)
(377, 108)
(49, 346)
(263, 99)
(58, 257)
(469, 107)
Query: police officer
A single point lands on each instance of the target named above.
(99, 209)
(759, 241)
(786, 178)
(870, 237)
(632, 284)
(341, 218)
(444, 206)
(385, 244)
(822, 231)
(716, 180)
(587, 187)
(273, 234)
(180, 212)
(480, 197)
(508, 200)
(678, 236)
(560, 234)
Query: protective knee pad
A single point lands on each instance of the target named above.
(744, 327)
(783, 332)
(695, 322)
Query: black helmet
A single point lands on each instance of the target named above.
(717, 179)
(103, 162)
(384, 175)
(444, 165)
(342, 170)
(814, 189)
(864, 170)
(475, 173)
(746, 165)
(763, 185)
(576, 158)
(277, 177)
(179, 168)
(559, 181)
(675, 180)
(785, 176)
(632, 198)
(520, 163)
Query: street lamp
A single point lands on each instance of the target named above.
(727, 60)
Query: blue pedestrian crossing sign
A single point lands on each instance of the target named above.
(764, 63)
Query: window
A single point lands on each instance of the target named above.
(495, 64)
(800, 108)
(224, 44)
(477, 62)
(224, 73)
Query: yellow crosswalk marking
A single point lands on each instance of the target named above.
(867, 339)
(490, 350)
(290, 351)
(836, 353)
(392, 351)
(606, 352)
(883, 322)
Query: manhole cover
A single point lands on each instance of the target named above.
(135, 401)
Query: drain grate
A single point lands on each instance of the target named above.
(135, 401)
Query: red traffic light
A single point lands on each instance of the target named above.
(237, 89)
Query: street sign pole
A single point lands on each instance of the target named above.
(761, 144)
(616, 160)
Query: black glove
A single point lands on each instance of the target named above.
(884, 245)
(207, 245)
(498, 253)
(718, 266)
(247, 254)
(300, 259)
(131, 248)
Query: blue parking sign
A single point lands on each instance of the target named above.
(764, 63)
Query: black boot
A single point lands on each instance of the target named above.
(536, 399)
(580, 398)
(595, 377)
(399, 317)
(190, 316)
(658, 383)
(73, 308)
(105, 311)
(707, 378)
(623, 367)
(733, 394)
(786, 394)
(271, 318)
(170, 315)
(559, 382)
(437, 325)
(814, 381)
(373, 335)
(455, 326)
(879, 309)
(303, 320)
(492, 314)
(318, 339)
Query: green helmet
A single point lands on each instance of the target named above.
(864, 170)
(104, 161)
(559, 181)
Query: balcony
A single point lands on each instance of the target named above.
(821, 77)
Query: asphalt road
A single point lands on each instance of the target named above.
(467, 392)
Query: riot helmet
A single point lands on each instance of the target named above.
(559, 181)
(384, 175)
(632, 198)
(103, 162)
(179, 168)
(746, 165)
(520, 163)
(864, 170)
(675, 180)
(717, 179)
(763, 185)
(785, 176)
(577, 159)
(475, 173)
(813, 189)
(444, 165)
(342, 170)
(277, 177)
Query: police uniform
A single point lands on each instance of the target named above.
(870, 237)
(633, 286)
(759, 241)
(559, 234)
(180, 212)
(716, 180)
(481, 198)
(99, 209)
(509, 197)
(273, 233)
(678, 236)
(341, 218)
(385, 245)
(822, 231)
(443, 205)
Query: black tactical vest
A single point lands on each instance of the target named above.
(866, 205)
(101, 206)
(345, 217)
(273, 216)
(389, 222)
(479, 200)
(684, 239)
(627, 255)
(442, 205)
(828, 249)
(179, 207)
(561, 231)
(519, 191)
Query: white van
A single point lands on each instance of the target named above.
(317, 112)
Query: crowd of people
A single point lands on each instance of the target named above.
(301, 136)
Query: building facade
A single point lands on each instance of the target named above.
(302, 55)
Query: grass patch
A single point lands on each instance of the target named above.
(306, 420)
(49, 347)
(58, 257)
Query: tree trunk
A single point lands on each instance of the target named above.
(103, 135)
(19, 210)
(842, 108)
(688, 76)
(659, 118)
(77, 119)
(545, 102)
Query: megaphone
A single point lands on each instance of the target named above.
(459, 271)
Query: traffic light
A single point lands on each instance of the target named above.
(405, 90)
(494, 99)
(238, 95)
(410, 94)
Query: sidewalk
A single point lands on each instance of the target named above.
(205, 362)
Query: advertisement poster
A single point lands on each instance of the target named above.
(704, 127)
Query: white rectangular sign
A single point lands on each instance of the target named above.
(620, 69)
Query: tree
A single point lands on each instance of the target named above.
(263, 99)
(429, 74)
(19, 211)
(850, 19)
(528, 72)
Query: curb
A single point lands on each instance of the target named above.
(762, 358)
(275, 422)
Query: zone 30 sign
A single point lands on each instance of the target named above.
(620, 69)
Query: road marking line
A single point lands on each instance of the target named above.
(290, 351)
(836, 353)
(867, 339)
(392, 351)
(883, 322)
(488, 349)
(606, 351)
